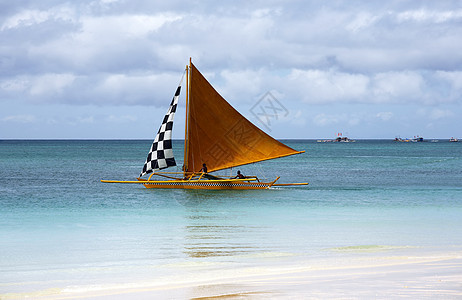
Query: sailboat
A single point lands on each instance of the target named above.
(217, 137)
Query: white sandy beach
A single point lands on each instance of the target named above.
(418, 277)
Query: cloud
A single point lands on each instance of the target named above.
(333, 86)
(328, 86)
(385, 116)
(449, 84)
(395, 86)
(48, 84)
(101, 89)
(349, 119)
(87, 119)
(362, 21)
(245, 82)
(106, 44)
(437, 114)
(20, 119)
(113, 53)
(33, 17)
(325, 120)
(425, 15)
(121, 119)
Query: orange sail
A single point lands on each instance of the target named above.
(219, 136)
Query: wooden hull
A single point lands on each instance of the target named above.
(207, 185)
(204, 184)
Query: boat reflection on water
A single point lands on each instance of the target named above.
(217, 240)
(212, 228)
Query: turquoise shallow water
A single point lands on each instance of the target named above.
(61, 228)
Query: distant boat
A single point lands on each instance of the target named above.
(406, 140)
(217, 137)
(453, 140)
(339, 139)
(398, 139)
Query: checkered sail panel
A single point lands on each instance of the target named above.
(161, 154)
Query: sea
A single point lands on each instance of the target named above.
(63, 231)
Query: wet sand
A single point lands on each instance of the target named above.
(438, 277)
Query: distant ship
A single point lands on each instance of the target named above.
(453, 140)
(339, 139)
(406, 140)
(398, 139)
(344, 139)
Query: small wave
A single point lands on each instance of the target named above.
(368, 248)
(35, 294)
(192, 264)
(267, 255)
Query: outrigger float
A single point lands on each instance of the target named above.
(217, 137)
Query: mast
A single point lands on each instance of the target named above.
(186, 127)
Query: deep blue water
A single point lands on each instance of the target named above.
(60, 226)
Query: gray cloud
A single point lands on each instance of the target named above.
(112, 52)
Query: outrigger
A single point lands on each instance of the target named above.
(217, 137)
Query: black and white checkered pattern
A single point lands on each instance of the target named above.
(161, 154)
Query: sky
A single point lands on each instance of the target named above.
(108, 69)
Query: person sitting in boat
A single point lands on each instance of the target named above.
(239, 175)
(204, 168)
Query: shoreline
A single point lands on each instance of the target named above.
(437, 276)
